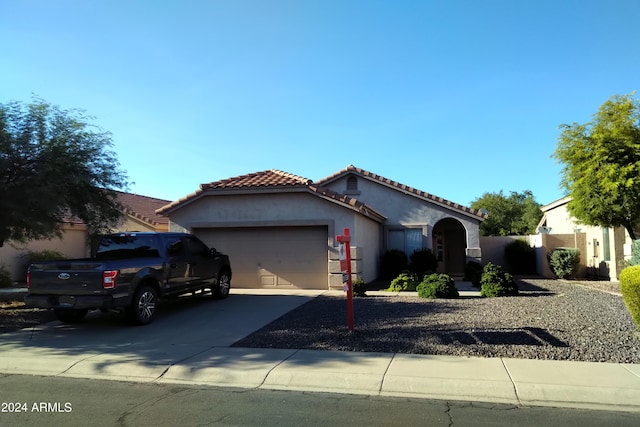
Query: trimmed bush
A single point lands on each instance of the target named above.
(496, 283)
(630, 289)
(437, 286)
(473, 273)
(564, 262)
(359, 287)
(406, 281)
(5, 277)
(392, 263)
(423, 261)
(521, 257)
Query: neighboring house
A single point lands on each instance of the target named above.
(602, 250)
(279, 229)
(140, 215)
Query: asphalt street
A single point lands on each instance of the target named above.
(58, 401)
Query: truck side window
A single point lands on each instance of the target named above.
(175, 247)
(127, 245)
(196, 247)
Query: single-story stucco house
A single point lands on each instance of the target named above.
(279, 229)
(602, 250)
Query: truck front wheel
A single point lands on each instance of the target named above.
(143, 306)
(70, 316)
(222, 288)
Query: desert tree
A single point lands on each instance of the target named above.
(512, 215)
(601, 165)
(54, 165)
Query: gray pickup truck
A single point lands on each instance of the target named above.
(129, 272)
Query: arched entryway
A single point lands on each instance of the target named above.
(449, 245)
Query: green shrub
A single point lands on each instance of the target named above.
(473, 273)
(406, 281)
(359, 287)
(423, 261)
(496, 283)
(393, 262)
(521, 257)
(5, 277)
(44, 255)
(630, 289)
(437, 286)
(564, 262)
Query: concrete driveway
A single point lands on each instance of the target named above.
(104, 345)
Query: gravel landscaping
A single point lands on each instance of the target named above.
(551, 319)
(560, 320)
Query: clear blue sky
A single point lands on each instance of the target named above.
(453, 97)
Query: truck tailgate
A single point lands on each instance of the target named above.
(66, 278)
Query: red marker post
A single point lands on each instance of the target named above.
(345, 267)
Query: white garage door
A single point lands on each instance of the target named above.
(273, 256)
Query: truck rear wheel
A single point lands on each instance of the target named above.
(143, 306)
(69, 315)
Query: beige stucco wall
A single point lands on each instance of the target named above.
(407, 210)
(130, 223)
(284, 209)
(73, 244)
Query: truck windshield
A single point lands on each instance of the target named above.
(127, 246)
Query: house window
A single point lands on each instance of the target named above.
(406, 240)
(606, 251)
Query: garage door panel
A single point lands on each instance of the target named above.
(273, 256)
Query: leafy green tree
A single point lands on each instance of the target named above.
(513, 215)
(54, 165)
(601, 169)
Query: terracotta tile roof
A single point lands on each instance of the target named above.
(274, 179)
(396, 185)
(143, 207)
(140, 207)
(357, 205)
(269, 178)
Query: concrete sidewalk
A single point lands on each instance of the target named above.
(171, 351)
(604, 386)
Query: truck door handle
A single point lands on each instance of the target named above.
(173, 265)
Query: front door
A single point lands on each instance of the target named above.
(449, 244)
